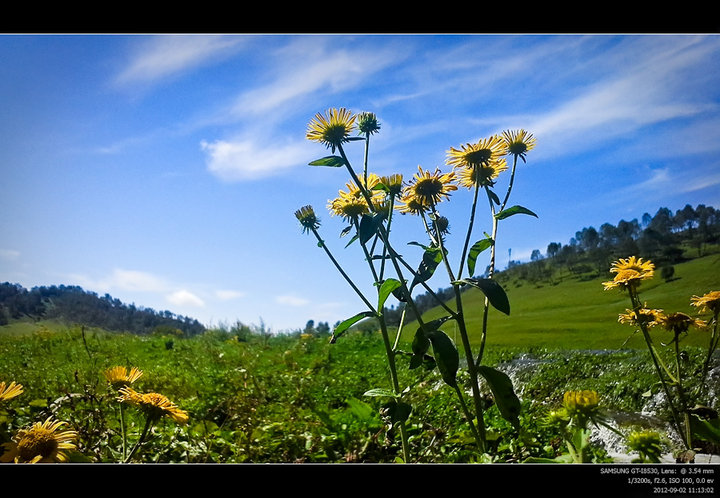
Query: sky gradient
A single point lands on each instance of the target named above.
(165, 170)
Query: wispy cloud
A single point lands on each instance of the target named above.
(9, 254)
(228, 295)
(290, 300)
(185, 298)
(163, 56)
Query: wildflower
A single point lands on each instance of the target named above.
(154, 405)
(518, 142)
(481, 174)
(428, 189)
(482, 153)
(582, 405)
(707, 302)
(410, 204)
(352, 203)
(649, 317)
(10, 391)
(308, 220)
(680, 322)
(368, 123)
(630, 272)
(120, 377)
(331, 129)
(647, 444)
(392, 184)
(43, 442)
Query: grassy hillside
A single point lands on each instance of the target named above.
(578, 314)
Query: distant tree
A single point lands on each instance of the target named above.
(536, 255)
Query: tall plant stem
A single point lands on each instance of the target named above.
(469, 232)
(460, 320)
(146, 429)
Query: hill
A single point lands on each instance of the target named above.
(72, 304)
(578, 314)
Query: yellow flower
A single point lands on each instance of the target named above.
(482, 153)
(392, 183)
(630, 272)
(352, 203)
(649, 317)
(409, 204)
(154, 405)
(707, 302)
(120, 377)
(308, 220)
(10, 391)
(481, 174)
(584, 403)
(428, 189)
(518, 142)
(331, 129)
(680, 322)
(43, 442)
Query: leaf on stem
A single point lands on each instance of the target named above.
(380, 392)
(387, 287)
(332, 161)
(343, 326)
(446, 356)
(430, 260)
(505, 397)
(506, 213)
(492, 290)
(475, 251)
(369, 225)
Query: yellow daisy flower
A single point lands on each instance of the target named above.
(583, 403)
(10, 391)
(393, 183)
(43, 442)
(154, 405)
(630, 272)
(428, 189)
(481, 174)
(352, 203)
(409, 204)
(120, 377)
(707, 302)
(680, 322)
(518, 142)
(484, 152)
(649, 317)
(331, 129)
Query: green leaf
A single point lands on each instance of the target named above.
(369, 225)
(398, 411)
(355, 237)
(430, 260)
(380, 392)
(475, 250)
(493, 291)
(493, 196)
(505, 213)
(332, 161)
(505, 398)
(343, 326)
(387, 287)
(446, 356)
(708, 430)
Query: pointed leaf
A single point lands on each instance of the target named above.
(332, 161)
(420, 343)
(379, 392)
(446, 356)
(493, 291)
(387, 287)
(502, 389)
(475, 250)
(343, 326)
(493, 196)
(430, 260)
(369, 226)
(505, 213)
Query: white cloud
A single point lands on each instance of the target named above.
(185, 298)
(292, 300)
(246, 159)
(227, 295)
(166, 55)
(9, 254)
(133, 280)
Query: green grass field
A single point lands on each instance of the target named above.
(582, 315)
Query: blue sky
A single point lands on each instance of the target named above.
(165, 170)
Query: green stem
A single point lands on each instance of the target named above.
(469, 232)
(146, 429)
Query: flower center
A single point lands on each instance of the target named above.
(38, 442)
(477, 157)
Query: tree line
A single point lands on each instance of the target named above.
(75, 305)
(666, 238)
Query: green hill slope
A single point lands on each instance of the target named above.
(578, 314)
